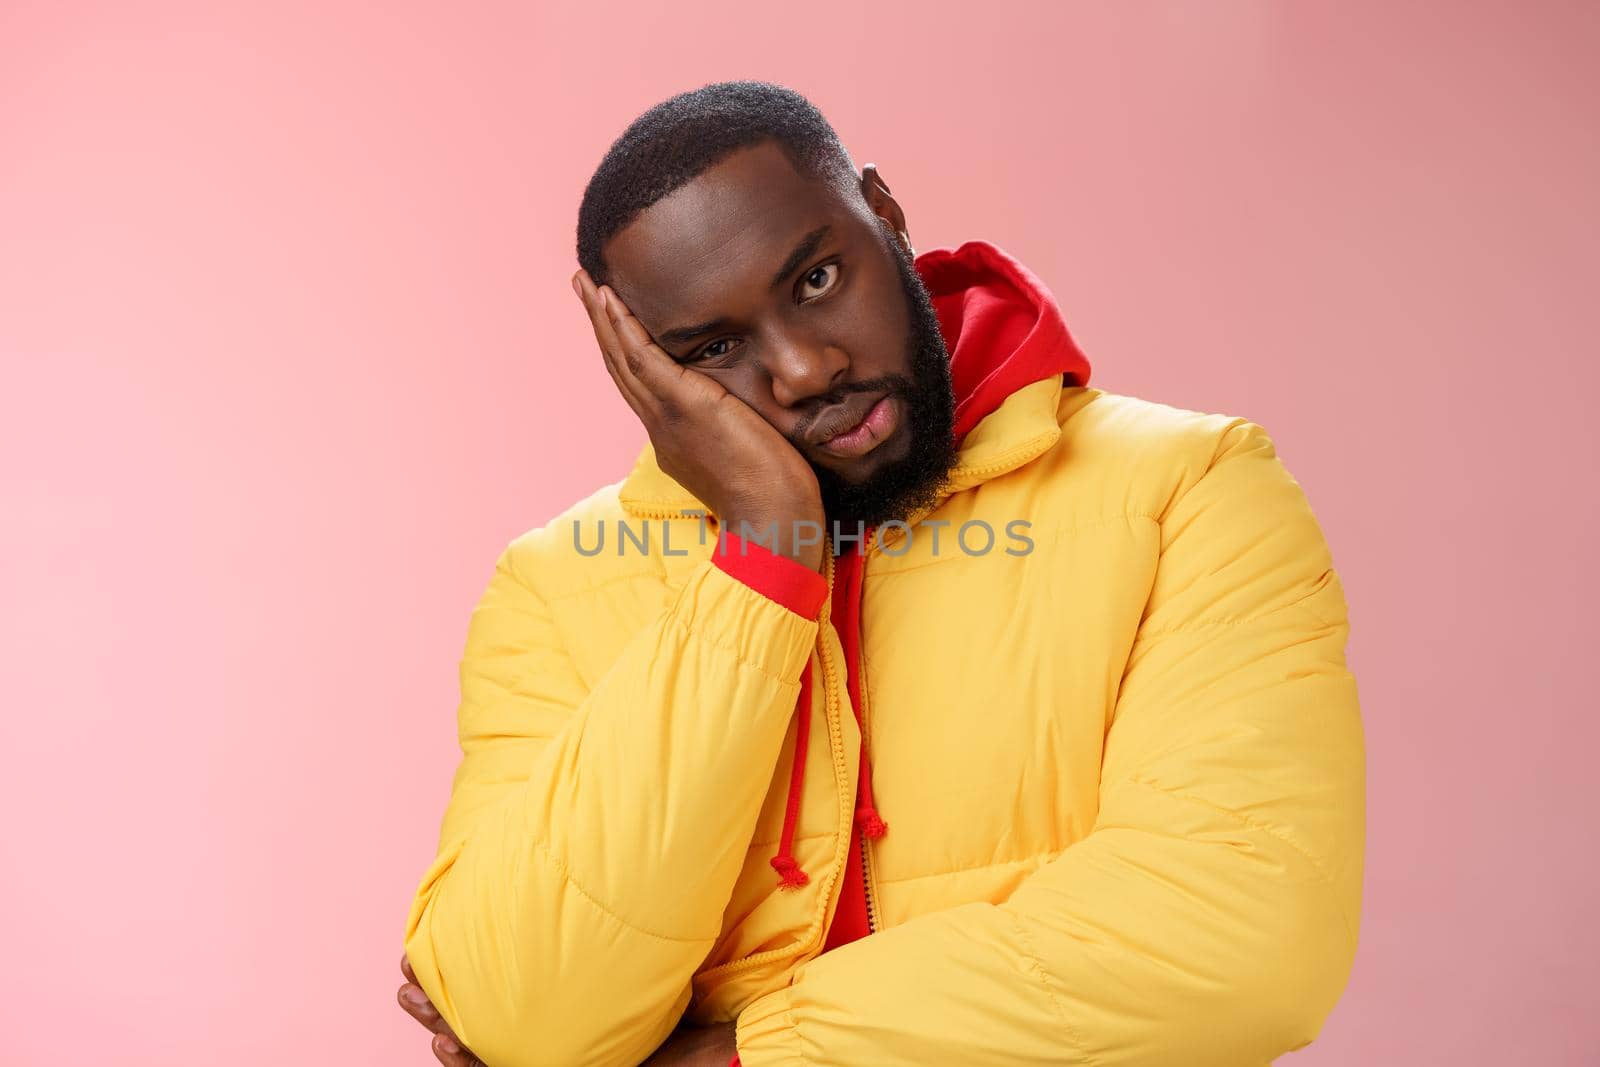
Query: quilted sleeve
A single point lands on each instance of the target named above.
(593, 836)
(1210, 916)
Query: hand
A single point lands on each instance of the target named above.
(688, 1046)
(708, 440)
(449, 1051)
(696, 1046)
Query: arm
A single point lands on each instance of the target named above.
(1210, 916)
(593, 838)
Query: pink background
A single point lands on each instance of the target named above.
(289, 355)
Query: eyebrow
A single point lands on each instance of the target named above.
(688, 333)
(803, 251)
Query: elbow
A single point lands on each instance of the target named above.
(1300, 975)
(569, 992)
(1327, 976)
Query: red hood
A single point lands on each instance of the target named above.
(1001, 325)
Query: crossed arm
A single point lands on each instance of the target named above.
(688, 1046)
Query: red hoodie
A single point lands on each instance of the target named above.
(1004, 331)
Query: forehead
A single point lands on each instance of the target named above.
(715, 242)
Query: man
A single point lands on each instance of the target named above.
(910, 702)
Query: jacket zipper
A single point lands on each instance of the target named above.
(866, 879)
(861, 671)
(866, 855)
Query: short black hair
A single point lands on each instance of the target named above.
(680, 138)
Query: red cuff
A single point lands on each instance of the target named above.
(778, 578)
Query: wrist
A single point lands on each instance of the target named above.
(799, 537)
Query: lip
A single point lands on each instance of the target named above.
(875, 424)
(842, 418)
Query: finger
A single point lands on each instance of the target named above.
(605, 336)
(405, 969)
(633, 357)
(416, 1004)
(448, 1052)
(594, 305)
(646, 361)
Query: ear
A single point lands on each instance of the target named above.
(876, 193)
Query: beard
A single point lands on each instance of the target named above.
(913, 482)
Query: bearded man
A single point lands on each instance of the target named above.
(910, 701)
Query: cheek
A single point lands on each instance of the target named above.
(875, 320)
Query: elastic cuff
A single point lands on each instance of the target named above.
(760, 632)
(778, 578)
(766, 1034)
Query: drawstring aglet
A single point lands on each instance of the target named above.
(871, 823)
(790, 876)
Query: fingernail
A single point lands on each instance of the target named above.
(416, 996)
(446, 1045)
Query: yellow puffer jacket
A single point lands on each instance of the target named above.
(1124, 773)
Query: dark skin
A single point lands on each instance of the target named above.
(796, 304)
(786, 280)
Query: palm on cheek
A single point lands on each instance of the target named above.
(707, 439)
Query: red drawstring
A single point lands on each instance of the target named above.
(867, 819)
(790, 876)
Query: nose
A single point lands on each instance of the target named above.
(801, 368)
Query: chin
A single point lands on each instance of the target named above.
(865, 468)
(856, 471)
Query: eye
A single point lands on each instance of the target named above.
(715, 350)
(818, 281)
